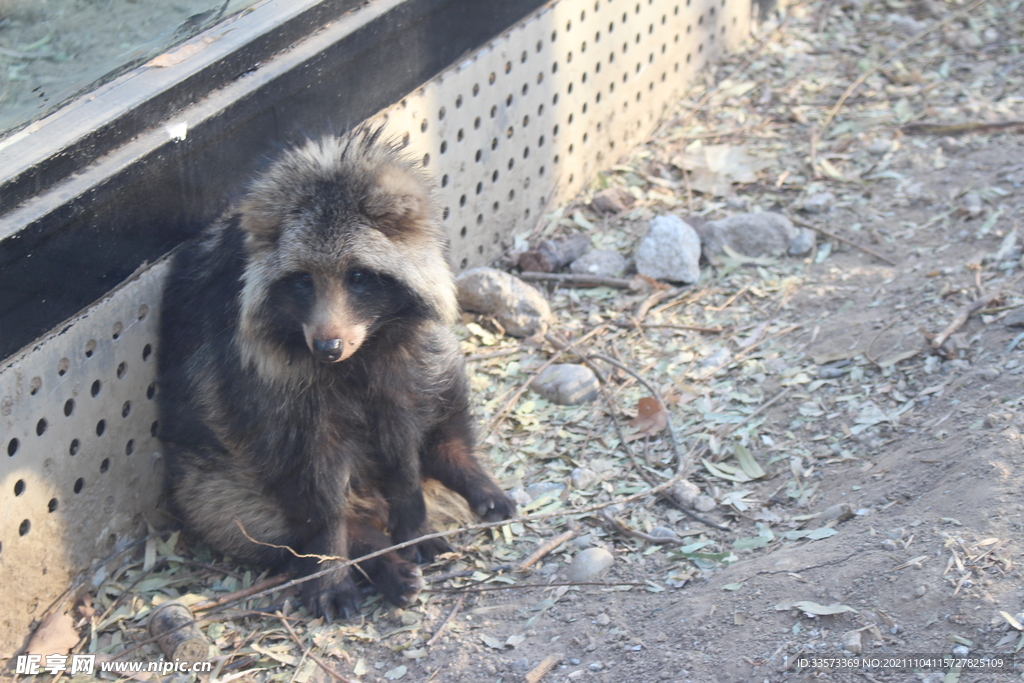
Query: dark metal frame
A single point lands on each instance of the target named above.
(98, 189)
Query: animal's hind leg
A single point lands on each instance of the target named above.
(448, 457)
(399, 580)
(230, 509)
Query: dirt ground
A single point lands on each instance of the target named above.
(882, 510)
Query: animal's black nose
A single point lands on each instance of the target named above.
(327, 350)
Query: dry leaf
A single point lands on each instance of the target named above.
(650, 419)
(183, 52)
(56, 635)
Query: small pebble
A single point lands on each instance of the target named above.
(590, 564)
(583, 478)
(670, 251)
(879, 147)
(961, 651)
(521, 666)
(889, 544)
(664, 532)
(567, 384)
(705, 504)
(819, 202)
(600, 262)
(602, 619)
(852, 642)
(544, 488)
(920, 591)
(973, 204)
(595, 666)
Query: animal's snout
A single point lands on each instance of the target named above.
(328, 350)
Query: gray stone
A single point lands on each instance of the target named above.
(583, 478)
(664, 532)
(590, 564)
(820, 202)
(973, 204)
(519, 308)
(753, 234)
(670, 251)
(566, 384)
(600, 262)
(879, 147)
(803, 242)
(686, 492)
(704, 504)
(1015, 318)
(544, 488)
(521, 666)
(852, 642)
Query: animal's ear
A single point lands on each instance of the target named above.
(397, 203)
(262, 225)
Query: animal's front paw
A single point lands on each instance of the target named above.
(492, 505)
(399, 581)
(427, 550)
(332, 595)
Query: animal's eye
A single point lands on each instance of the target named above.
(358, 277)
(306, 279)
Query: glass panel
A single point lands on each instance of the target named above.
(53, 50)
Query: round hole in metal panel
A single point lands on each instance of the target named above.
(24, 527)
(480, 220)
(511, 163)
(476, 123)
(69, 407)
(494, 208)
(129, 447)
(19, 487)
(522, 57)
(405, 140)
(101, 427)
(479, 188)
(154, 428)
(526, 88)
(444, 180)
(143, 312)
(570, 148)
(458, 101)
(117, 330)
(94, 391)
(62, 366)
(540, 171)
(494, 111)
(79, 485)
(122, 368)
(462, 200)
(554, 36)
(424, 125)
(462, 233)
(511, 195)
(480, 249)
(476, 89)
(491, 78)
(73, 448)
(508, 101)
(90, 348)
(52, 505)
(426, 160)
(508, 66)
(494, 177)
(554, 131)
(12, 447)
(126, 409)
(151, 390)
(147, 351)
(494, 144)
(41, 426)
(105, 465)
(447, 212)
(463, 263)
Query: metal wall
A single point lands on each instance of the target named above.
(522, 122)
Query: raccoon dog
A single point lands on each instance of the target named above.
(309, 378)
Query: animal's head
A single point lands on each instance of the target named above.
(342, 245)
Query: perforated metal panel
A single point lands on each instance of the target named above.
(522, 123)
(558, 97)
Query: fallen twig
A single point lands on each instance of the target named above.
(307, 652)
(832, 235)
(564, 345)
(656, 326)
(491, 354)
(959, 128)
(546, 548)
(447, 620)
(261, 587)
(629, 531)
(728, 429)
(578, 280)
(547, 664)
(970, 309)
